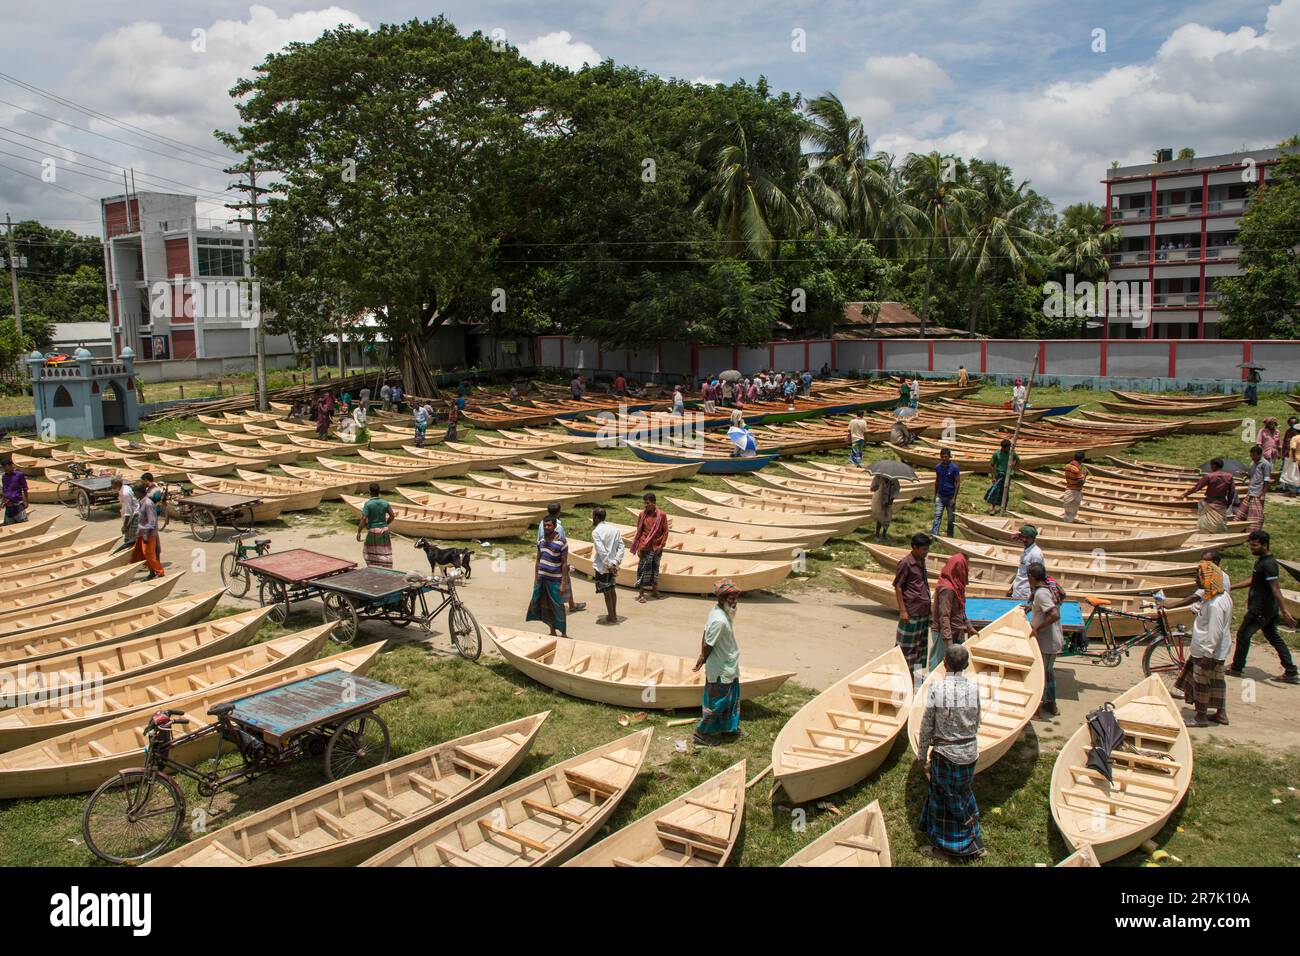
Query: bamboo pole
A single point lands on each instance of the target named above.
(1015, 436)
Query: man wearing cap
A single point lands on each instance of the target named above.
(1031, 554)
(720, 658)
(1076, 476)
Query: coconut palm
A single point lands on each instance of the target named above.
(1083, 242)
(998, 237)
(841, 157)
(750, 206)
(933, 198)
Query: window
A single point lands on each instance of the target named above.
(221, 257)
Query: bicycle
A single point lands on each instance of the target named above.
(233, 573)
(135, 814)
(1165, 648)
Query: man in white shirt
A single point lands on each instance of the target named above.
(126, 503)
(1032, 554)
(386, 396)
(607, 557)
(1018, 395)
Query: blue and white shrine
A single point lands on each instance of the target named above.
(85, 397)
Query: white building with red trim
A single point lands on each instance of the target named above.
(1178, 223)
(179, 287)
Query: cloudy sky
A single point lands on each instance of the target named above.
(1056, 89)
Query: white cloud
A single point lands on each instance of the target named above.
(1205, 88)
(882, 83)
(561, 49)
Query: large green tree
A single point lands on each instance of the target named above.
(1264, 300)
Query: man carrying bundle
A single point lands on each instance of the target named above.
(1076, 476)
(1219, 488)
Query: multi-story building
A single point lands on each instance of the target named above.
(178, 286)
(1178, 222)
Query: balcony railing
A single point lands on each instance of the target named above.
(1229, 205)
(1134, 212)
(1174, 210)
(1178, 255)
(1176, 298)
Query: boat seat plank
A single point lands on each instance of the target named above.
(421, 782)
(1098, 797)
(333, 823)
(382, 803)
(552, 811)
(279, 842)
(513, 834)
(1126, 779)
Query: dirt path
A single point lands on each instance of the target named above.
(820, 635)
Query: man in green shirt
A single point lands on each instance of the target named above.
(376, 516)
(1002, 460)
(720, 658)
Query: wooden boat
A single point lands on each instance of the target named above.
(699, 828)
(1007, 667)
(32, 560)
(293, 428)
(471, 506)
(1142, 398)
(1081, 857)
(840, 489)
(415, 465)
(335, 483)
(880, 588)
(514, 497)
(314, 446)
(541, 820)
(828, 501)
(212, 466)
(85, 668)
(425, 522)
(273, 502)
(347, 821)
(256, 462)
(261, 454)
(972, 461)
(21, 581)
(78, 608)
(1076, 537)
(1085, 580)
(860, 840)
(152, 444)
(734, 531)
(755, 516)
(710, 462)
(665, 473)
(35, 447)
(481, 453)
(568, 471)
(80, 761)
(609, 485)
(364, 474)
(30, 597)
(1006, 554)
(42, 492)
(40, 545)
(689, 573)
(283, 485)
(108, 628)
(844, 734)
(60, 714)
(1149, 784)
(12, 536)
(1170, 408)
(230, 439)
(624, 677)
(1150, 497)
(224, 422)
(535, 491)
(1186, 426)
(718, 547)
(1110, 517)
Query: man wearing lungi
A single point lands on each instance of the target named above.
(720, 658)
(948, 748)
(648, 545)
(912, 591)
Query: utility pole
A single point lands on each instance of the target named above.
(13, 274)
(253, 204)
(1015, 437)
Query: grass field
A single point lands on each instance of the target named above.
(1243, 809)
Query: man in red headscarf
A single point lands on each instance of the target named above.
(948, 623)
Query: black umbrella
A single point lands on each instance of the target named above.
(1107, 735)
(895, 469)
(1231, 465)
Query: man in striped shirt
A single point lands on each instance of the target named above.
(1076, 476)
(551, 580)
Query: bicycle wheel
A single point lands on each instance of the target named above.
(66, 493)
(464, 632)
(234, 575)
(202, 525)
(83, 504)
(337, 607)
(360, 744)
(132, 816)
(273, 594)
(1166, 656)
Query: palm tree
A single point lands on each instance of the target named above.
(750, 206)
(1082, 244)
(998, 236)
(934, 197)
(841, 157)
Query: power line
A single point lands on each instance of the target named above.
(80, 108)
(68, 169)
(55, 185)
